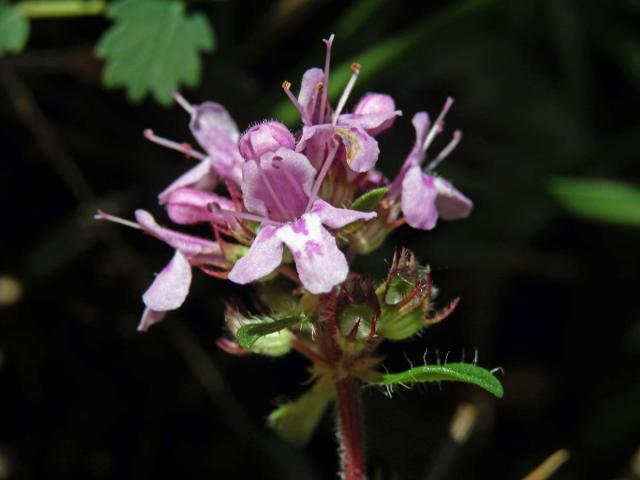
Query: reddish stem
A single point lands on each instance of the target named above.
(350, 429)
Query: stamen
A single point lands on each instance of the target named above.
(216, 209)
(112, 218)
(324, 107)
(180, 147)
(457, 136)
(183, 103)
(437, 126)
(323, 172)
(355, 71)
(286, 86)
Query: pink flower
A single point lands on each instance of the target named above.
(281, 191)
(425, 197)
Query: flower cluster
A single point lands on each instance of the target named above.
(274, 197)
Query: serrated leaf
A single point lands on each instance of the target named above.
(153, 47)
(248, 335)
(368, 201)
(297, 420)
(451, 372)
(14, 29)
(599, 199)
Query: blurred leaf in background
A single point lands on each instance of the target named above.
(599, 199)
(14, 29)
(153, 47)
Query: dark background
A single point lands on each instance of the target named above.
(542, 89)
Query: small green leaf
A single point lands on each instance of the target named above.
(14, 29)
(297, 420)
(451, 372)
(368, 201)
(153, 47)
(249, 334)
(599, 199)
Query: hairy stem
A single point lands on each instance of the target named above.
(61, 8)
(350, 429)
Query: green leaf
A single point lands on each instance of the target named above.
(368, 201)
(248, 335)
(598, 199)
(451, 372)
(14, 29)
(297, 420)
(153, 47)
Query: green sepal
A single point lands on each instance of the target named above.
(247, 335)
(368, 201)
(451, 372)
(296, 421)
(14, 29)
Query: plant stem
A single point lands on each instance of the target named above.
(61, 8)
(350, 429)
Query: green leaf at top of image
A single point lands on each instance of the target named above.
(153, 47)
(598, 199)
(451, 372)
(368, 201)
(14, 29)
(249, 334)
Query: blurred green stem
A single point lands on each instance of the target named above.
(61, 8)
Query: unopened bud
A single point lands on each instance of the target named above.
(265, 137)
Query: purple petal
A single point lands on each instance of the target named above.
(309, 96)
(218, 134)
(150, 318)
(171, 286)
(421, 124)
(418, 202)
(313, 142)
(320, 264)
(201, 177)
(451, 203)
(264, 256)
(333, 217)
(188, 245)
(375, 112)
(187, 206)
(361, 148)
(278, 186)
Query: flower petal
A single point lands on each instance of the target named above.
(188, 245)
(361, 148)
(451, 203)
(150, 318)
(373, 123)
(313, 142)
(309, 96)
(264, 256)
(418, 202)
(278, 186)
(218, 134)
(171, 286)
(201, 177)
(334, 217)
(320, 264)
(187, 206)
(420, 123)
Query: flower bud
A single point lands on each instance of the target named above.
(265, 137)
